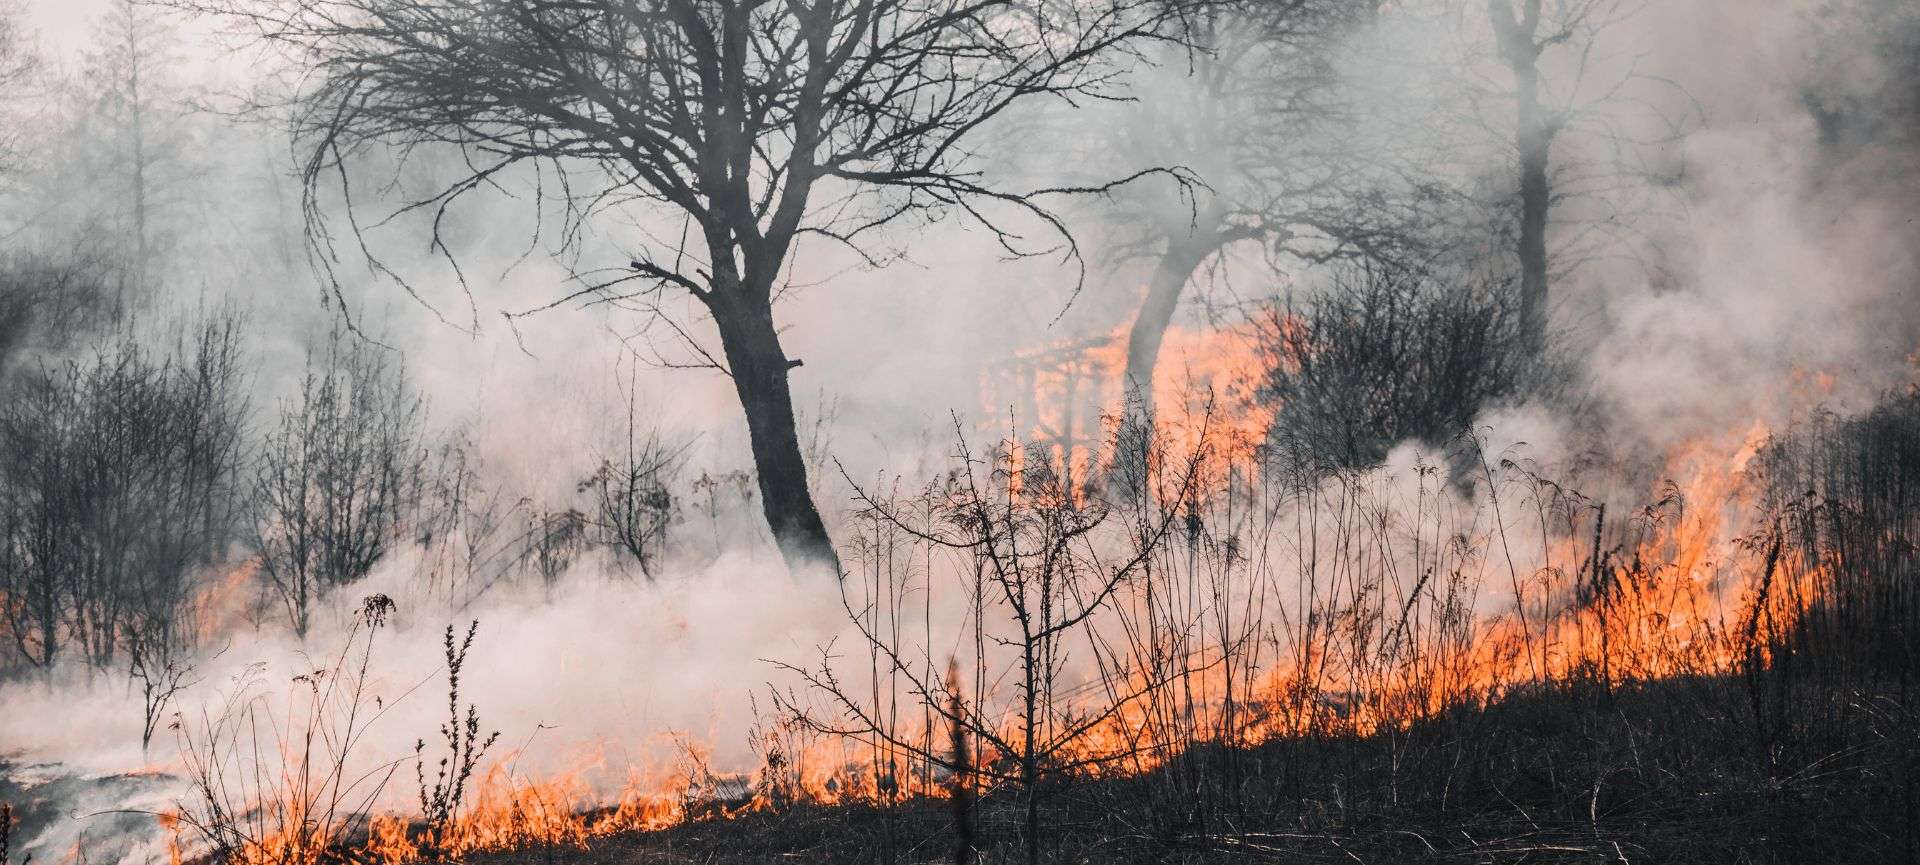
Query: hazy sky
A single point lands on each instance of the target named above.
(63, 24)
(896, 348)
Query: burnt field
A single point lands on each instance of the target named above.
(1672, 773)
(962, 431)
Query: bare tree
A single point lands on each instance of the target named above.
(49, 305)
(630, 493)
(1260, 111)
(1042, 570)
(340, 473)
(462, 519)
(1380, 355)
(160, 664)
(1520, 46)
(1564, 77)
(118, 480)
(551, 542)
(134, 102)
(19, 64)
(757, 123)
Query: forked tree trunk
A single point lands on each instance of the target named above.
(759, 367)
(1149, 331)
(1534, 133)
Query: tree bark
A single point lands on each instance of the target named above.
(1164, 289)
(1169, 282)
(1534, 132)
(759, 368)
(1535, 198)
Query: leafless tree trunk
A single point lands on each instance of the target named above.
(128, 68)
(758, 123)
(759, 368)
(1175, 268)
(1265, 120)
(1589, 126)
(1535, 128)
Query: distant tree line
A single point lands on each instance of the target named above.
(144, 493)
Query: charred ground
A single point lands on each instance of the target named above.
(1671, 772)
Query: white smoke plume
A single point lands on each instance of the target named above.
(1787, 270)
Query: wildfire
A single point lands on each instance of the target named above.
(1675, 589)
(509, 813)
(1068, 398)
(506, 811)
(221, 605)
(1679, 594)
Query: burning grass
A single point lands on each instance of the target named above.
(1455, 658)
(1656, 772)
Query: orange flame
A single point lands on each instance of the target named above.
(1067, 399)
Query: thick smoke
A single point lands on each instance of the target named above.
(1776, 275)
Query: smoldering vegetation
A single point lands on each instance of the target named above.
(1408, 432)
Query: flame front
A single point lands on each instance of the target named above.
(1067, 400)
(1352, 604)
